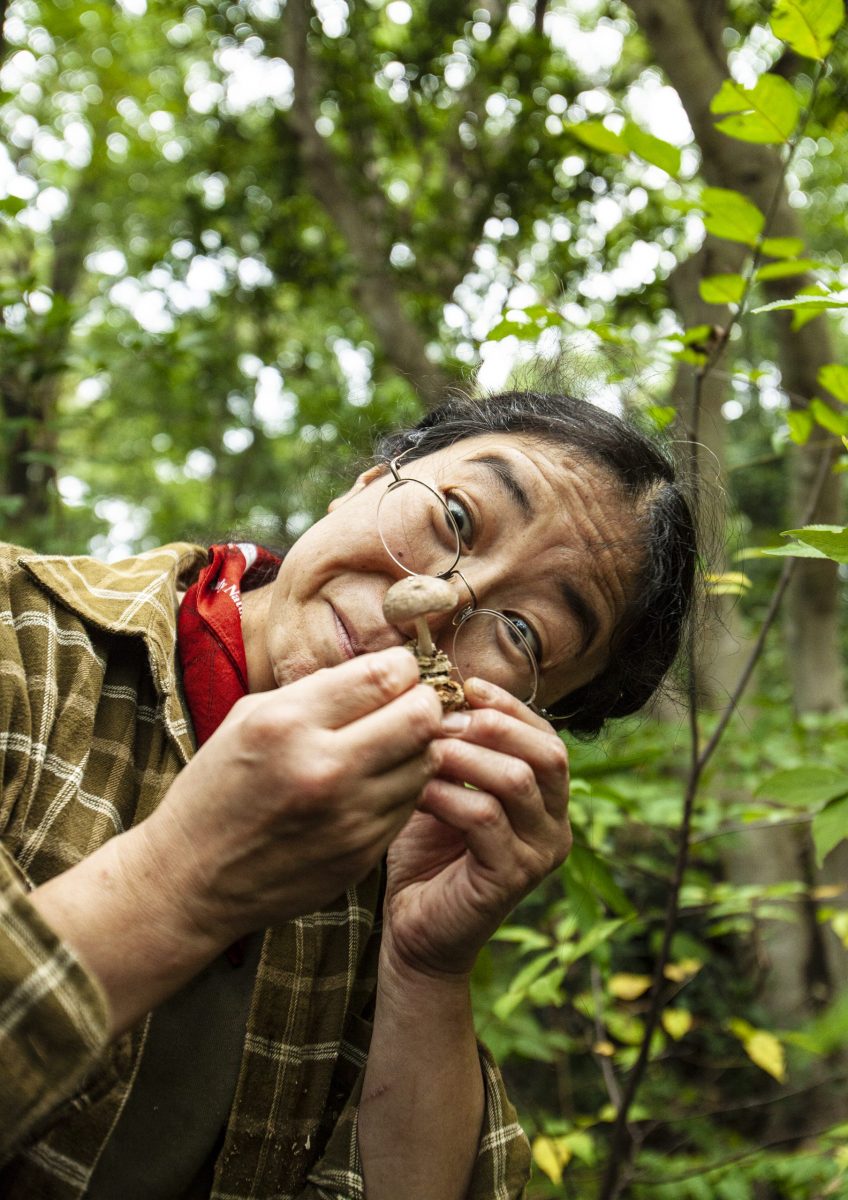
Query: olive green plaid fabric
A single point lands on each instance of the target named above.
(93, 729)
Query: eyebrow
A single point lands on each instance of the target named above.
(574, 600)
(506, 477)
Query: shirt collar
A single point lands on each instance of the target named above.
(136, 596)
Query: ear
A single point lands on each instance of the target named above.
(361, 482)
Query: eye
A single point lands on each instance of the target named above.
(462, 519)
(526, 630)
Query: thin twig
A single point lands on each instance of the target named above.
(619, 1167)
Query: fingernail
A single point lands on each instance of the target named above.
(481, 689)
(455, 722)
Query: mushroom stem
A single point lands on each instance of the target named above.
(425, 641)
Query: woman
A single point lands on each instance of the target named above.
(152, 867)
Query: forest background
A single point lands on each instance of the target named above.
(237, 240)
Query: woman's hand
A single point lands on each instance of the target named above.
(297, 795)
(471, 853)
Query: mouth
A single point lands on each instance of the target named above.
(346, 636)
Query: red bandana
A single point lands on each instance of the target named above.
(209, 635)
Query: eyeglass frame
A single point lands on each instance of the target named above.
(473, 607)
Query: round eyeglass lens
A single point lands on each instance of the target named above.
(417, 529)
(487, 644)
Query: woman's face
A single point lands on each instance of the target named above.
(552, 544)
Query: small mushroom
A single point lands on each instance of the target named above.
(411, 599)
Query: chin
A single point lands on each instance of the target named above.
(293, 668)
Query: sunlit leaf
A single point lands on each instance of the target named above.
(786, 269)
(652, 149)
(830, 827)
(834, 377)
(783, 247)
(676, 1022)
(794, 550)
(766, 113)
(552, 1156)
(728, 583)
(732, 216)
(683, 969)
(722, 289)
(662, 415)
(604, 1048)
(808, 26)
(829, 540)
(804, 787)
(596, 135)
(765, 1050)
(800, 424)
(806, 303)
(628, 987)
(828, 418)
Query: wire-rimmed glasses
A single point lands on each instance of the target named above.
(422, 536)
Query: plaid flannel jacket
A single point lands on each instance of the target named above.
(93, 729)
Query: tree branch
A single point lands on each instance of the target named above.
(376, 287)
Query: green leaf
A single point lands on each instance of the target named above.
(593, 939)
(652, 149)
(829, 540)
(12, 205)
(834, 377)
(529, 939)
(807, 303)
(795, 550)
(722, 289)
(783, 247)
(732, 216)
(584, 866)
(783, 270)
(697, 335)
(808, 26)
(766, 113)
(824, 415)
(804, 787)
(800, 424)
(830, 827)
(662, 415)
(596, 135)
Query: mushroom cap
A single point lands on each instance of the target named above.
(416, 596)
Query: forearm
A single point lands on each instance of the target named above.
(422, 1100)
(120, 911)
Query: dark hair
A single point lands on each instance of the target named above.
(647, 638)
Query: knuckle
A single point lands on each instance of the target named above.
(425, 713)
(383, 676)
(520, 780)
(557, 757)
(320, 782)
(489, 812)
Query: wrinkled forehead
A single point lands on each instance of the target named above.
(540, 476)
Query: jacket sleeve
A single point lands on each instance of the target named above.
(53, 1019)
(53, 1016)
(501, 1169)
